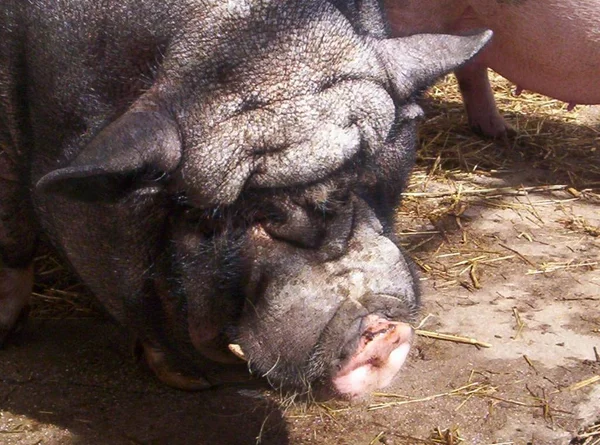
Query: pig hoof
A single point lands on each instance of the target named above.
(156, 360)
(494, 128)
(15, 291)
(16, 328)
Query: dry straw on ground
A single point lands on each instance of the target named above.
(589, 436)
(57, 293)
(457, 169)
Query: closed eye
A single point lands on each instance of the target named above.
(296, 227)
(410, 112)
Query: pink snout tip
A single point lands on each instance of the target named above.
(381, 352)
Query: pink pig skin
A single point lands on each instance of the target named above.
(548, 46)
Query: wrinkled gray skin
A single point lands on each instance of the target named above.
(217, 171)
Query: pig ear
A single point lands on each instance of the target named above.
(415, 62)
(132, 152)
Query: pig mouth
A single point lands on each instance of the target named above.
(381, 351)
(360, 347)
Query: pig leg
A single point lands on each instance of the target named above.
(18, 236)
(15, 289)
(16, 253)
(479, 101)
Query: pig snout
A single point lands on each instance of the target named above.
(379, 352)
(335, 325)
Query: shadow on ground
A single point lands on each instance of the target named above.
(72, 381)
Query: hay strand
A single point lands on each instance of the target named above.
(452, 338)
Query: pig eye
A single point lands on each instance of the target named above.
(207, 222)
(195, 217)
(410, 112)
(293, 224)
(272, 215)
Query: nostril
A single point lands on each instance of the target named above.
(370, 333)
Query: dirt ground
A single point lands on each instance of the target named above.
(507, 237)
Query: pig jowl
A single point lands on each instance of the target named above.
(217, 174)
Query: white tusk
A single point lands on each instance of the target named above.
(237, 351)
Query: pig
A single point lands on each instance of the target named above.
(548, 46)
(220, 172)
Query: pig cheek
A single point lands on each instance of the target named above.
(209, 306)
(279, 343)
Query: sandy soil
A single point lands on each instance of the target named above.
(520, 272)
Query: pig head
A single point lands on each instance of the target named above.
(228, 171)
(336, 315)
